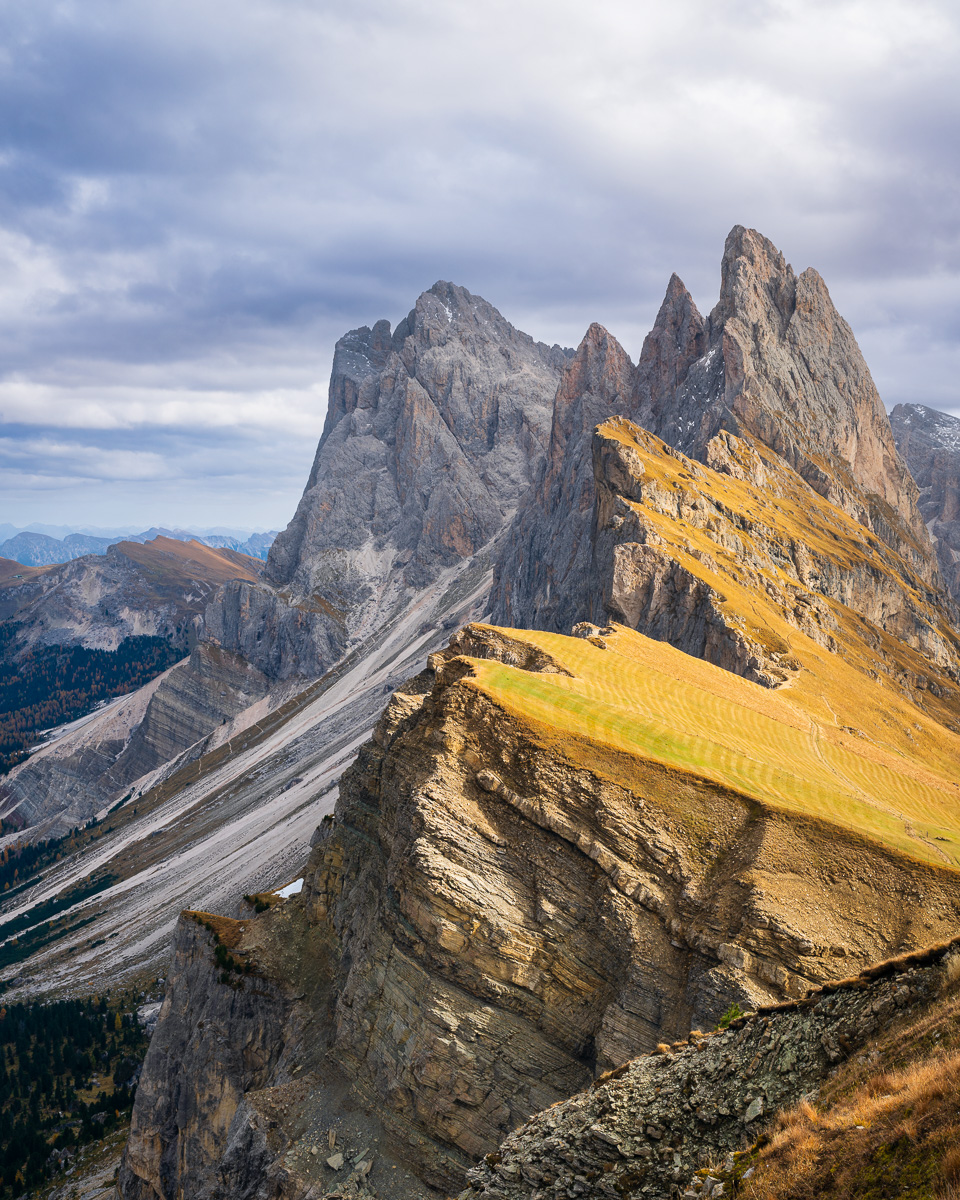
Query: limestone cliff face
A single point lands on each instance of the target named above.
(492, 919)
(547, 562)
(433, 434)
(231, 1035)
(774, 361)
(674, 541)
(929, 443)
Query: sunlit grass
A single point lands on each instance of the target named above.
(646, 701)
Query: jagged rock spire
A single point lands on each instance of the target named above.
(550, 544)
(780, 363)
(671, 347)
(775, 361)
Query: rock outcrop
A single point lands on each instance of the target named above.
(519, 892)
(773, 361)
(929, 443)
(433, 434)
(160, 589)
(646, 1129)
(673, 540)
(544, 578)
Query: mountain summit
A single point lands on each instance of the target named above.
(774, 362)
(433, 434)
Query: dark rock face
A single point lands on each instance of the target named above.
(647, 1129)
(433, 434)
(233, 1039)
(929, 442)
(774, 360)
(546, 571)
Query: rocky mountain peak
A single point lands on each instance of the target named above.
(432, 435)
(774, 361)
(549, 541)
(597, 382)
(781, 364)
(676, 341)
(757, 284)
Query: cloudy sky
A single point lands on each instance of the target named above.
(197, 197)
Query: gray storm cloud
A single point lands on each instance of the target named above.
(197, 199)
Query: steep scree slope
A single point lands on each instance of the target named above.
(232, 813)
(70, 780)
(647, 1129)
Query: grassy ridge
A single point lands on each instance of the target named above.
(636, 698)
(865, 731)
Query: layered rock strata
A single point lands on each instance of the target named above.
(670, 538)
(433, 433)
(498, 913)
(773, 361)
(646, 1129)
(929, 443)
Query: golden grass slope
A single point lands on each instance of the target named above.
(886, 1124)
(840, 742)
(629, 699)
(780, 556)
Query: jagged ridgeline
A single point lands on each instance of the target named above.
(700, 758)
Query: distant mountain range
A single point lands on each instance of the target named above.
(35, 547)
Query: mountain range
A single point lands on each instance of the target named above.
(671, 664)
(33, 548)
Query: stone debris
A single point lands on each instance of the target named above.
(645, 1131)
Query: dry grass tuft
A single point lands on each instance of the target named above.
(887, 1124)
(951, 968)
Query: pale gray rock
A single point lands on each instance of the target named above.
(775, 361)
(158, 589)
(433, 434)
(929, 442)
